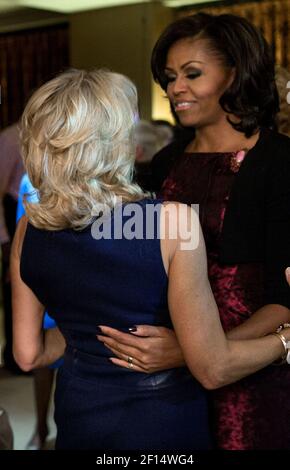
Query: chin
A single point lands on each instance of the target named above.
(188, 122)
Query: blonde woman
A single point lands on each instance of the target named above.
(93, 252)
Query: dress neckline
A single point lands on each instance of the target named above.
(206, 154)
(235, 152)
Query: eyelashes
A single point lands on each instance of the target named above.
(194, 75)
(190, 76)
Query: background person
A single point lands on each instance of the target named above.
(6, 432)
(282, 77)
(150, 137)
(11, 171)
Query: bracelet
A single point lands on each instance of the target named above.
(283, 340)
(286, 344)
(282, 327)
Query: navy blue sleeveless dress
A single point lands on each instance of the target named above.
(84, 282)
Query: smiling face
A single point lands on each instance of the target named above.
(197, 79)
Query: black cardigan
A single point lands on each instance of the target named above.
(257, 220)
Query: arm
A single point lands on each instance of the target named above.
(212, 359)
(32, 346)
(158, 349)
(264, 321)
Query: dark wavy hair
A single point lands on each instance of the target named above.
(252, 96)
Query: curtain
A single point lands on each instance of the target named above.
(27, 60)
(271, 16)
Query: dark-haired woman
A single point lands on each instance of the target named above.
(218, 74)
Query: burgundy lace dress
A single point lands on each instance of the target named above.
(252, 413)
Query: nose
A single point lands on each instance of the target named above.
(179, 85)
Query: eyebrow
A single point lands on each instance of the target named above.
(187, 63)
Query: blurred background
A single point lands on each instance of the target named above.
(39, 38)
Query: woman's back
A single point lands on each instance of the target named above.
(84, 282)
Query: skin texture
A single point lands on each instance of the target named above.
(196, 319)
(198, 78)
(31, 348)
(191, 304)
(196, 81)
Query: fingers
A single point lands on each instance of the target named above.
(123, 352)
(146, 345)
(149, 330)
(124, 349)
(122, 363)
(137, 330)
(124, 357)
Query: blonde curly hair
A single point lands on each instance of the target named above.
(78, 147)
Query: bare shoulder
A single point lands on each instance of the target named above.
(180, 221)
(173, 207)
(180, 232)
(170, 205)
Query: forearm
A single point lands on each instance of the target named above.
(50, 348)
(243, 361)
(216, 361)
(236, 360)
(54, 346)
(264, 321)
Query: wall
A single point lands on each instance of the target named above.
(20, 19)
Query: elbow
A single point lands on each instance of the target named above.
(23, 360)
(211, 383)
(213, 377)
(26, 367)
